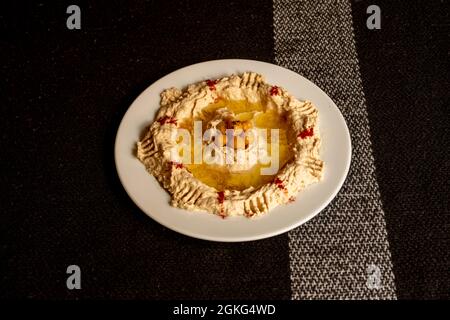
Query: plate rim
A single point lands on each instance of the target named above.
(242, 238)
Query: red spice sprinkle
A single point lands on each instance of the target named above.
(279, 183)
(274, 91)
(306, 133)
(167, 119)
(221, 196)
(221, 199)
(249, 214)
(211, 84)
(177, 165)
(291, 199)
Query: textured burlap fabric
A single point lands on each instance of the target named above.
(336, 253)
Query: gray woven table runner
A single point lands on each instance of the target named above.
(344, 251)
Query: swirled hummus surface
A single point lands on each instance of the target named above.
(232, 146)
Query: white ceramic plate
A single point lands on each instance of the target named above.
(151, 198)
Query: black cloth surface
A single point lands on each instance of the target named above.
(64, 93)
(404, 68)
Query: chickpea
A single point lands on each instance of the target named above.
(222, 127)
(246, 125)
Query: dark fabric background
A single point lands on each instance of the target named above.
(64, 92)
(404, 69)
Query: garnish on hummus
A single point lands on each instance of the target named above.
(232, 146)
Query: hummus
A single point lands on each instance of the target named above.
(229, 179)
